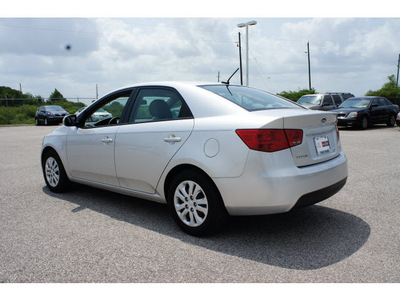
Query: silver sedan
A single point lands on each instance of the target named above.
(207, 150)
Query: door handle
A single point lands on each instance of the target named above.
(106, 140)
(172, 139)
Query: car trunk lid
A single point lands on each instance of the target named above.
(320, 135)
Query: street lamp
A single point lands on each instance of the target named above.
(241, 25)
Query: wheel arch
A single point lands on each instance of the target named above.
(48, 148)
(180, 168)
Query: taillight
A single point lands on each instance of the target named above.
(337, 131)
(270, 140)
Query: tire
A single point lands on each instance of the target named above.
(36, 122)
(392, 121)
(364, 123)
(54, 173)
(196, 204)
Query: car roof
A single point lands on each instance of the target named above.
(364, 98)
(175, 84)
(202, 102)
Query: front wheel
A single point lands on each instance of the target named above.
(54, 173)
(195, 204)
(364, 123)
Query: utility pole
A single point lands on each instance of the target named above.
(240, 61)
(97, 91)
(7, 110)
(218, 76)
(397, 82)
(309, 68)
(20, 87)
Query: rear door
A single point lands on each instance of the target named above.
(337, 100)
(377, 111)
(159, 124)
(385, 110)
(327, 103)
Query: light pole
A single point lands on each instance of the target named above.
(241, 25)
(309, 67)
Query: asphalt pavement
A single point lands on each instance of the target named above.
(89, 235)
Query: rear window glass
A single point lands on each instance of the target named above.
(251, 99)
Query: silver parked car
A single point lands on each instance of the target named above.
(207, 150)
(327, 101)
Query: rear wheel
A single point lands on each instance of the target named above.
(54, 173)
(392, 121)
(195, 204)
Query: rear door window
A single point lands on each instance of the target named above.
(158, 104)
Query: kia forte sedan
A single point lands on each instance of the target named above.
(206, 150)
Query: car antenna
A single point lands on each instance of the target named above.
(227, 82)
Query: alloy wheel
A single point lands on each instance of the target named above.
(190, 202)
(52, 172)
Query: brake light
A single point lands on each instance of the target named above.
(337, 131)
(270, 140)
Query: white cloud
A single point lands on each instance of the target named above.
(350, 55)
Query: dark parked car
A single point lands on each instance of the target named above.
(398, 120)
(327, 101)
(50, 114)
(364, 111)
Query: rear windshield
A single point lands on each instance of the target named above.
(249, 98)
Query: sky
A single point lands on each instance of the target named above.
(83, 53)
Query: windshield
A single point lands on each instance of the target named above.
(54, 108)
(355, 103)
(310, 100)
(249, 98)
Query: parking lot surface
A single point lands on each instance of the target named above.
(89, 235)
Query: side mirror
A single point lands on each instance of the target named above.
(69, 120)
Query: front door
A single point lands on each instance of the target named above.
(90, 148)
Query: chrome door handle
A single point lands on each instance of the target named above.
(172, 139)
(106, 140)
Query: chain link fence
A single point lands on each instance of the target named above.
(23, 110)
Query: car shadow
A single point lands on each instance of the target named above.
(307, 239)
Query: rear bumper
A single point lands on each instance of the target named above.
(320, 195)
(277, 185)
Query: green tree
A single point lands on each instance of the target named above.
(56, 96)
(294, 96)
(10, 93)
(389, 90)
(16, 98)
